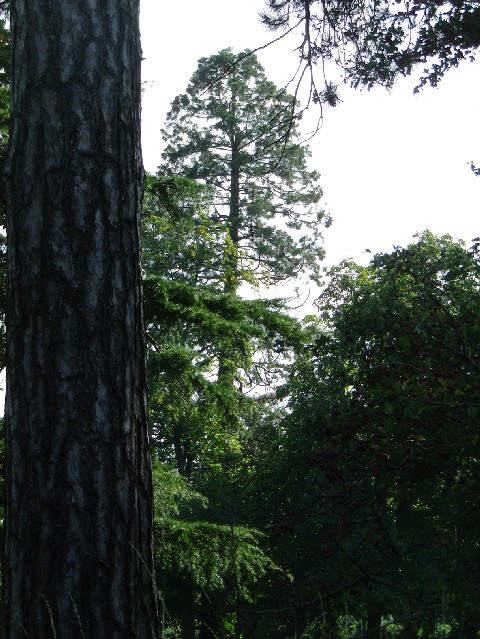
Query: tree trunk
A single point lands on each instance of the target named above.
(226, 368)
(374, 621)
(187, 611)
(78, 558)
(231, 280)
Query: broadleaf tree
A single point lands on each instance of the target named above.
(383, 437)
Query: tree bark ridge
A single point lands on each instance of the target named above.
(78, 525)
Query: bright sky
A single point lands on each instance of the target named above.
(392, 164)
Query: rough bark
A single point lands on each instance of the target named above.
(78, 558)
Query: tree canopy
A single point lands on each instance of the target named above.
(374, 41)
(232, 130)
(383, 436)
(313, 479)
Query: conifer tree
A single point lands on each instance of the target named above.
(201, 425)
(78, 551)
(233, 130)
(375, 41)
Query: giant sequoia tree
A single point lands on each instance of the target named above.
(233, 129)
(78, 532)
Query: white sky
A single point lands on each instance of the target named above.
(392, 164)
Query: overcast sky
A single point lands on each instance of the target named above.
(392, 164)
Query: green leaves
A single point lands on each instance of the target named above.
(383, 434)
(220, 317)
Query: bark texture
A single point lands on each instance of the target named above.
(78, 559)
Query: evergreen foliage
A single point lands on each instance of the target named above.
(355, 507)
(375, 41)
(204, 426)
(219, 561)
(233, 130)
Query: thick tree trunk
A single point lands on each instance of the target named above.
(78, 527)
(374, 621)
